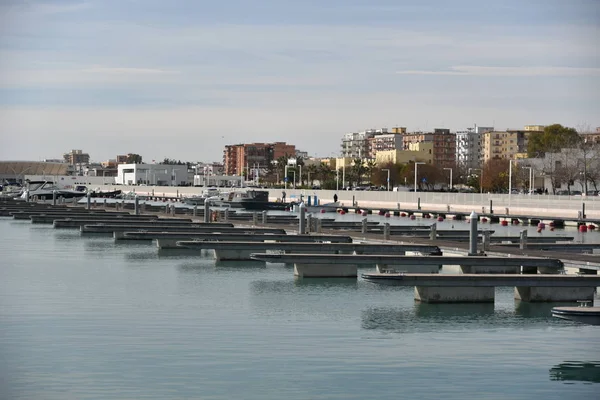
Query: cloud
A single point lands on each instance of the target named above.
(474, 70)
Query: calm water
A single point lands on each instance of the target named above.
(85, 318)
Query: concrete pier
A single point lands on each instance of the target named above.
(540, 294)
(427, 294)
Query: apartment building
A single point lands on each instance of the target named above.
(444, 148)
(505, 145)
(384, 142)
(419, 151)
(77, 157)
(239, 157)
(469, 146)
(356, 144)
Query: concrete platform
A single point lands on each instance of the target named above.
(168, 240)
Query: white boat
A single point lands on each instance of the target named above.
(211, 195)
(44, 190)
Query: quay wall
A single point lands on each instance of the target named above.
(534, 205)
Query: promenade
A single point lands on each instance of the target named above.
(534, 205)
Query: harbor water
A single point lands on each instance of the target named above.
(83, 317)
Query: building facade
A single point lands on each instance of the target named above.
(417, 152)
(505, 145)
(469, 148)
(383, 142)
(356, 144)
(444, 148)
(239, 158)
(153, 174)
(77, 157)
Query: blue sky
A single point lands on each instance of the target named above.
(181, 79)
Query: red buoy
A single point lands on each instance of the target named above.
(541, 225)
(403, 214)
(583, 228)
(504, 223)
(342, 212)
(364, 213)
(387, 214)
(322, 211)
(413, 217)
(484, 220)
(440, 219)
(539, 230)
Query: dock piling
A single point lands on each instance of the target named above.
(89, 200)
(302, 221)
(136, 205)
(486, 240)
(386, 231)
(473, 234)
(364, 225)
(523, 240)
(54, 197)
(206, 212)
(433, 231)
(264, 217)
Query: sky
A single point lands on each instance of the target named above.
(181, 78)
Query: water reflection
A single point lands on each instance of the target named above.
(325, 283)
(454, 311)
(537, 310)
(582, 371)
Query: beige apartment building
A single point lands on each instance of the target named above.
(505, 145)
(419, 151)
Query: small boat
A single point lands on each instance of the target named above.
(584, 313)
(11, 190)
(44, 190)
(108, 194)
(210, 194)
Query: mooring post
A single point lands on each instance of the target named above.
(386, 231)
(491, 206)
(195, 212)
(473, 234)
(319, 225)
(173, 209)
(27, 196)
(486, 240)
(364, 225)
(254, 218)
(309, 223)
(433, 231)
(54, 197)
(105, 202)
(419, 203)
(302, 222)
(89, 200)
(264, 217)
(583, 210)
(523, 240)
(226, 215)
(136, 205)
(206, 212)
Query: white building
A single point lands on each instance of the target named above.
(152, 174)
(356, 144)
(469, 146)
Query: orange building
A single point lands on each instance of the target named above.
(238, 157)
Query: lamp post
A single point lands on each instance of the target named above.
(285, 177)
(530, 178)
(449, 169)
(416, 168)
(337, 179)
(388, 178)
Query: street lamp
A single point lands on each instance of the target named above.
(450, 169)
(285, 177)
(530, 178)
(416, 168)
(388, 178)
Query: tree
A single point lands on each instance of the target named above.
(357, 171)
(551, 140)
(312, 170)
(371, 166)
(133, 158)
(495, 175)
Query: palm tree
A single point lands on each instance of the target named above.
(371, 166)
(312, 171)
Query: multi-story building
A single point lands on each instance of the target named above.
(240, 157)
(417, 152)
(384, 142)
(356, 144)
(415, 137)
(591, 137)
(534, 128)
(444, 148)
(469, 146)
(505, 145)
(77, 157)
